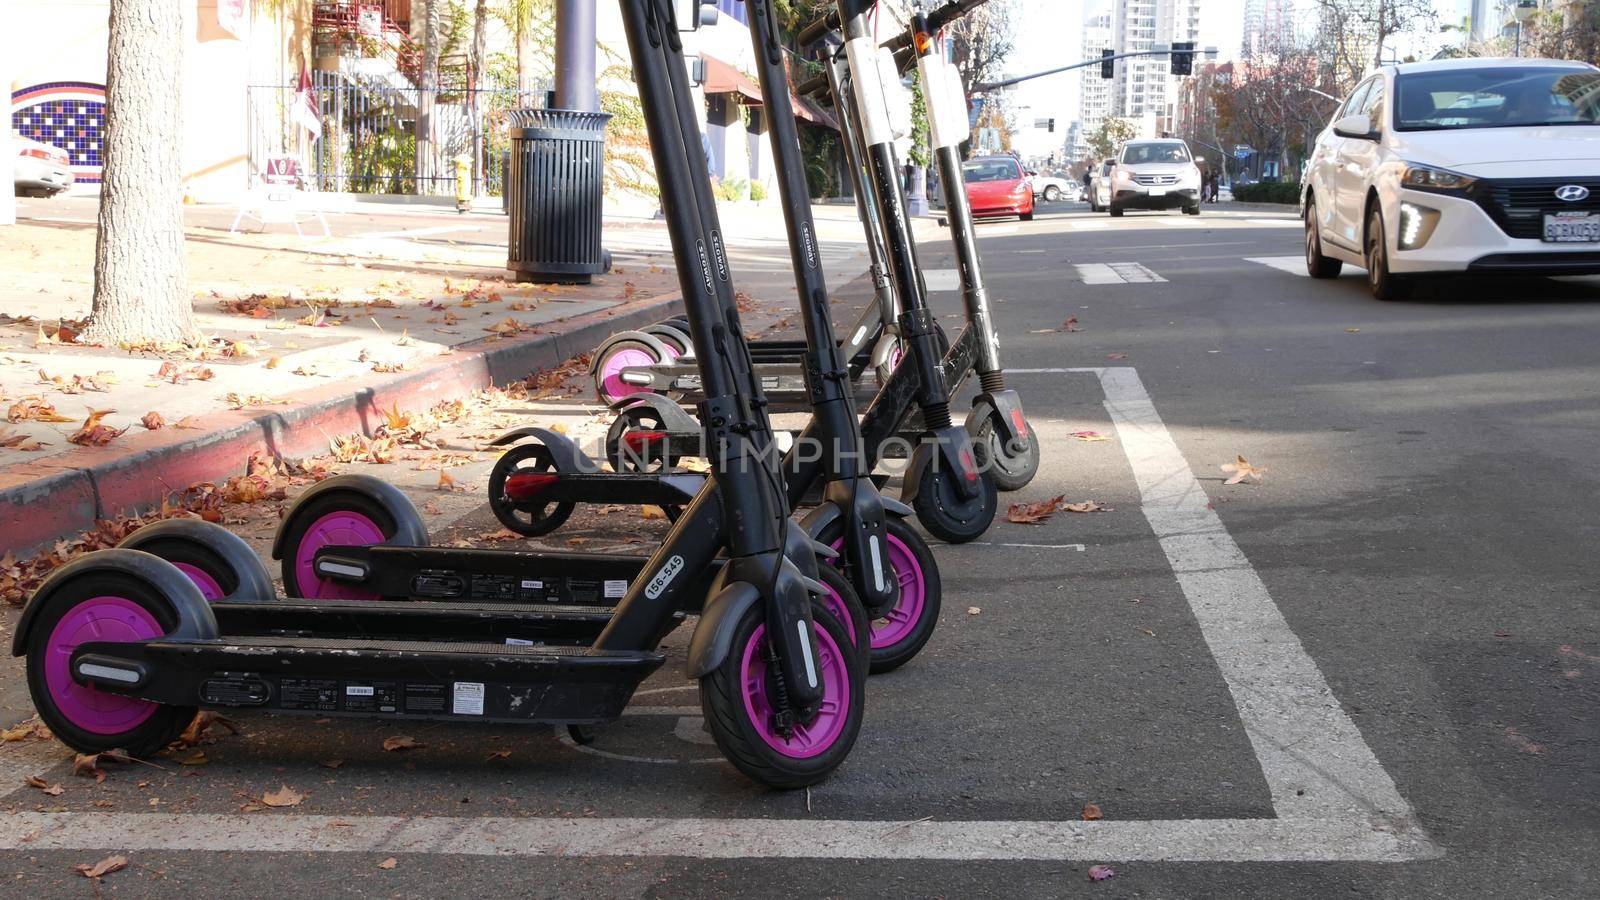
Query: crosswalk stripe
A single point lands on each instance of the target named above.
(942, 279)
(1116, 273)
(1294, 265)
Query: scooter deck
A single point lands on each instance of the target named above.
(414, 620)
(454, 681)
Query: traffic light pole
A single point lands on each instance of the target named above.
(985, 87)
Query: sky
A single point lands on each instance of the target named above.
(1050, 34)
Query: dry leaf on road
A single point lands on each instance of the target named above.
(1101, 873)
(283, 796)
(1091, 812)
(389, 863)
(1241, 469)
(1087, 506)
(104, 867)
(401, 742)
(1090, 436)
(1033, 513)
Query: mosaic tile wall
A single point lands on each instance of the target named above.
(68, 114)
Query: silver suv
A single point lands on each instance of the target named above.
(1156, 174)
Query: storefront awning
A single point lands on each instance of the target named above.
(723, 78)
(806, 111)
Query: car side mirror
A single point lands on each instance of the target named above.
(1199, 159)
(1356, 126)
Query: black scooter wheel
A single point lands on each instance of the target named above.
(900, 635)
(738, 699)
(946, 514)
(99, 605)
(842, 600)
(218, 561)
(337, 518)
(632, 456)
(526, 517)
(1012, 469)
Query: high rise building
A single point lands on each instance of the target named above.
(1144, 87)
(1268, 25)
(1094, 101)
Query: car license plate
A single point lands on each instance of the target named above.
(1565, 228)
(1158, 192)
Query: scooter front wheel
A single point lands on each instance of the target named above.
(97, 605)
(340, 518)
(946, 514)
(901, 633)
(739, 699)
(1012, 469)
(514, 483)
(842, 601)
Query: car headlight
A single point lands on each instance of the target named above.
(1123, 175)
(1429, 178)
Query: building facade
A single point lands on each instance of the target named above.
(1144, 88)
(1094, 100)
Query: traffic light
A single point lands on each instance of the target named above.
(1182, 57)
(1107, 64)
(1052, 127)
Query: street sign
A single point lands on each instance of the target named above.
(1242, 154)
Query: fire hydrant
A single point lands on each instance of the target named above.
(463, 183)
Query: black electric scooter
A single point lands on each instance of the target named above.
(122, 647)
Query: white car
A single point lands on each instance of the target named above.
(41, 169)
(1481, 165)
(1100, 185)
(1156, 174)
(1051, 188)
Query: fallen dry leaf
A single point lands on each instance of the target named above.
(331, 763)
(93, 434)
(1033, 513)
(389, 863)
(104, 867)
(1101, 873)
(401, 742)
(1087, 506)
(1090, 436)
(283, 796)
(1091, 812)
(35, 409)
(153, 421)
(1241, 469)
(16, 440)
(974, 610)
(54, 790)
(1071, 324)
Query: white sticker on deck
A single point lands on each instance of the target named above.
(615, 589)
(468, 698)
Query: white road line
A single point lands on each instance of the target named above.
(997, 230)
(1191, 840)
(416, 232)
(1331, 797)
(1277, 223)
(1313, 757)
(1116, 273)
(1078, 547)
(1294, 265)
(942, 279)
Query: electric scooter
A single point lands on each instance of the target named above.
(122, 647)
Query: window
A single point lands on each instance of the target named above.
(1372, 105)
(1357, 98)
(981, 170)
(1497, 97)
(1141, 153)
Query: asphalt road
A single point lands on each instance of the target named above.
(1375, 673)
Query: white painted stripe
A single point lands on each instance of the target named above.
(1294, 265)
(1116, 273)
(1277, 223)
(416, 232)
(942, 279)
(1312, 756)
(997, 230)
(1079, 547)
(1182, 840)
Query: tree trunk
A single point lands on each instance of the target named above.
(140, 275)
(525, 57)
(426, 158)
(480, 17)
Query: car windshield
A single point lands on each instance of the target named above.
(1497, 97)
(1135, 154)
(991, 170)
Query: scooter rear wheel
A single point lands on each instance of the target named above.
(104, 605)
(338, 518)
(530, 518)
(608, 383)
(1012, 469)
(652, 456)
(738, 699)
(218, 561)
(901, 634)
(946, 514)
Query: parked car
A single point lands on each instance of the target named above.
(997, 186)
(1100, 185)
(1156, 174)
(1052, 188)
(41, 169)
(1482, 165)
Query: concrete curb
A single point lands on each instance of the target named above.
(41, 503)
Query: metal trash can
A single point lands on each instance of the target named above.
(554, 195)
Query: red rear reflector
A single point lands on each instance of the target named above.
(527, 485)
(1019, 423)
(638, 440)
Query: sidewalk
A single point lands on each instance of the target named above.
(306, 340)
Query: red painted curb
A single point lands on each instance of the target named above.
(41, 503)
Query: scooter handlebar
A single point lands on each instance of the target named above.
(901, 43)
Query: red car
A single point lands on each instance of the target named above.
(997, 186)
